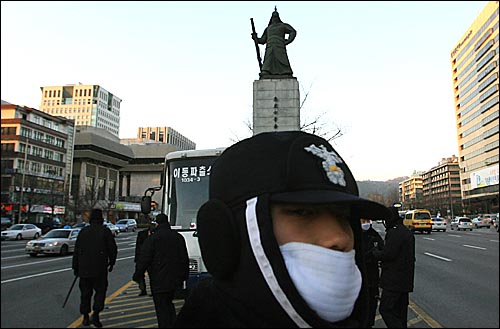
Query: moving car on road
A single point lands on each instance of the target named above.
(21, 231)
(58, 241)
(113, 228)
(438, 224)
(462, 223)
(480, 222)
(126, 225)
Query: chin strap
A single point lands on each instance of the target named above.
(265, 266)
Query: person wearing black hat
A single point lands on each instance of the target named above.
(281, 237)
(94, 256)
(141, 237)
(398, 270)
(164, 255)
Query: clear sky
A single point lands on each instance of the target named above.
(378, 71)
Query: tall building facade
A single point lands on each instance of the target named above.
(166, 135)
(441, 188)
(87, 105)
(474, 64)
(411, 191)
(37, 160)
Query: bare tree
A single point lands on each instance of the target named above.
(318, 125)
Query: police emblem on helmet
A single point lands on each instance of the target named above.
(330, 165)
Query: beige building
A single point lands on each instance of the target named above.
(474, 64)
(441, 188)
(166, 135)
(87, 105)
(411, 191)
(37, 160)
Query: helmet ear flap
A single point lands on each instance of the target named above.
(218, 238)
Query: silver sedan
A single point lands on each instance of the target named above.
(59, 241)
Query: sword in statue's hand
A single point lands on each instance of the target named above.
(256, 43)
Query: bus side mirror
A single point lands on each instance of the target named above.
(146, 204)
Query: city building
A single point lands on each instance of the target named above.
(441, 188)
(37, 160)
(166, 135)
(87, 105)
(144, 170)
(475, 67)
(98, 159)
(411, 191)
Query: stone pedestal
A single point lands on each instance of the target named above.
(276, 105)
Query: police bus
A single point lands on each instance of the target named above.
(184, 185)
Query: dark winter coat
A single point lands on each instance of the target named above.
(397, 258)
(371, 241)
(141, 237)
(164, 255)
(95, 250)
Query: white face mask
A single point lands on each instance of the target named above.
(328, 280)
(366, 226)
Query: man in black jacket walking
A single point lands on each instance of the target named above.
(141, 237)
(398, 269)
(164, 255)
(95, 254)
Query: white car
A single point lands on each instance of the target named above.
(113, 228)
(21, 231)
(438, 224)
(462, 223)
(57, 241)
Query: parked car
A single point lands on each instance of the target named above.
(21, 231)
(438, 224)
(57, 241)
(126, 225)
(462, 223)
(480, 222)
(113, 228)
(6, 223)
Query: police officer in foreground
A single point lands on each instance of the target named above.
(281, 237)
(94, 256)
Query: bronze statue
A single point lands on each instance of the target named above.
(276, 64)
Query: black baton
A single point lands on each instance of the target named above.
(69, 292)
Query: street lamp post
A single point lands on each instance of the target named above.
(22, 179)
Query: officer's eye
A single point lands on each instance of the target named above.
(301, 211)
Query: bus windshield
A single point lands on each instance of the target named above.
(188, 180)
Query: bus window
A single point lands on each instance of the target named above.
(188, 189)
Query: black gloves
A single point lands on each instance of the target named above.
(110, 268)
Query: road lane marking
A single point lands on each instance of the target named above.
(420, 313)
(431, 239)
(457, 236)
(48, 273)
(42, 261)
(438, 257)
(475, 247)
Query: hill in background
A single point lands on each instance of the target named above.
(384, 192)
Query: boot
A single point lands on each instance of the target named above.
(95, 320)
(86, 320)
(143, 293)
